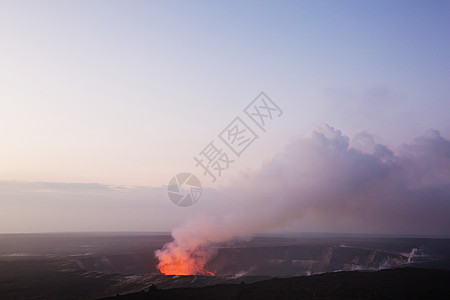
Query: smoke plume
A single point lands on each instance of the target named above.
(324, 182)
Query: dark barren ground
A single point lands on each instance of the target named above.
(98, 265)
(404, 283)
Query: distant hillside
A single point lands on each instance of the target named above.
(403, 283)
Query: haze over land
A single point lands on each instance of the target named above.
(320, 182)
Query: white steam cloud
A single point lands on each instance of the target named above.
(358, 187)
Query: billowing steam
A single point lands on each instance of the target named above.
(190, 251)
(323, 182)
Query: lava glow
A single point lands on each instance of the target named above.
(181, 263)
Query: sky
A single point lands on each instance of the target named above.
(102, 103)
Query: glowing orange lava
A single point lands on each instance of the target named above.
(181, 265)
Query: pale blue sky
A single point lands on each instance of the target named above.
(100, 94)
(127, 93)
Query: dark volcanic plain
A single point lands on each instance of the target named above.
(97, 265)
(403, 283)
